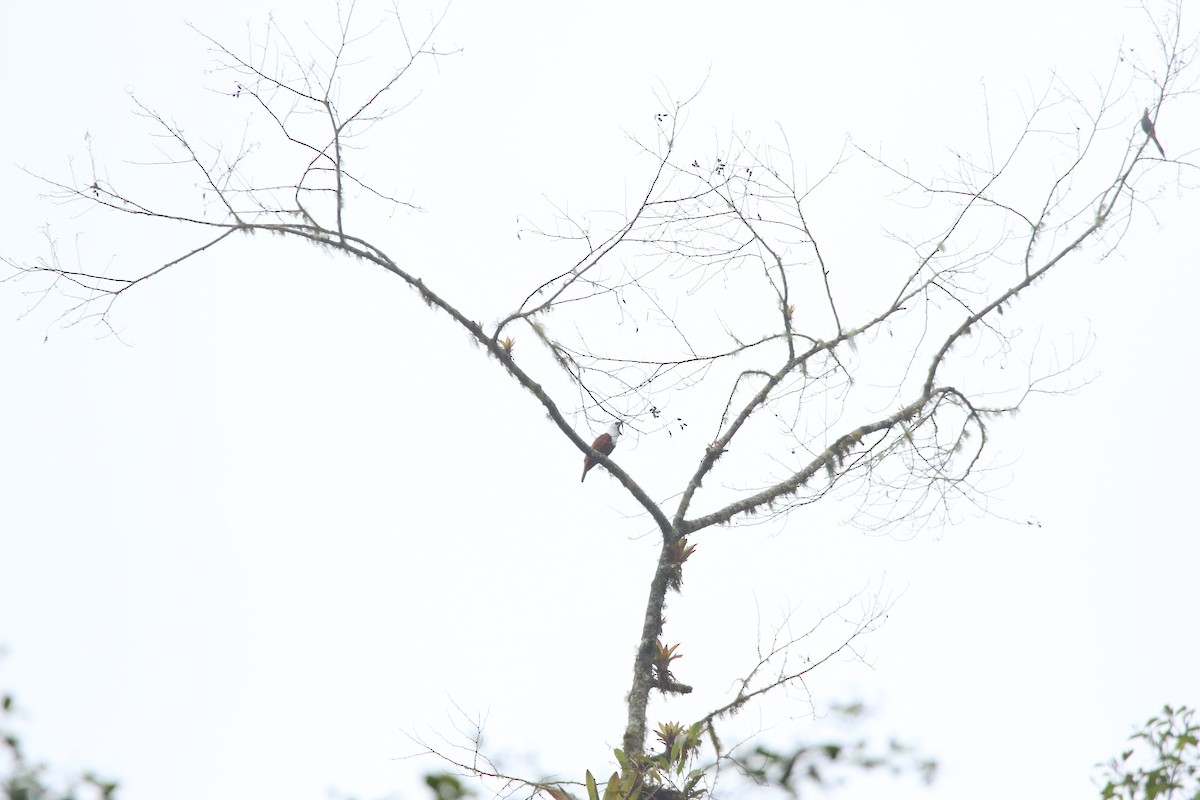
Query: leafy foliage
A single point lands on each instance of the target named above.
(828, 764)
(1171, 744)
(22, 779)
(446, 786)
(825, 765)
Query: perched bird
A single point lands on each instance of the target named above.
(605, 443)
(1148, 129)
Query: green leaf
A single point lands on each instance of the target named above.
(622, 761)
(447, 787)
(593, 793)
(613, 790)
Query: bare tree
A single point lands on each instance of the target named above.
(877, 382)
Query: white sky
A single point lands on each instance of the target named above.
(292, 516)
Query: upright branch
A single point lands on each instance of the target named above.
(821, 371)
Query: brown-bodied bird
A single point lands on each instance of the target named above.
(605, 443)
(1148, 129)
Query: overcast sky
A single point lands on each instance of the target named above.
(290, 519)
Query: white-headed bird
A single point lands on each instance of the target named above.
(605, 443)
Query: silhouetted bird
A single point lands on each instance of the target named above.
(1148, 128)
